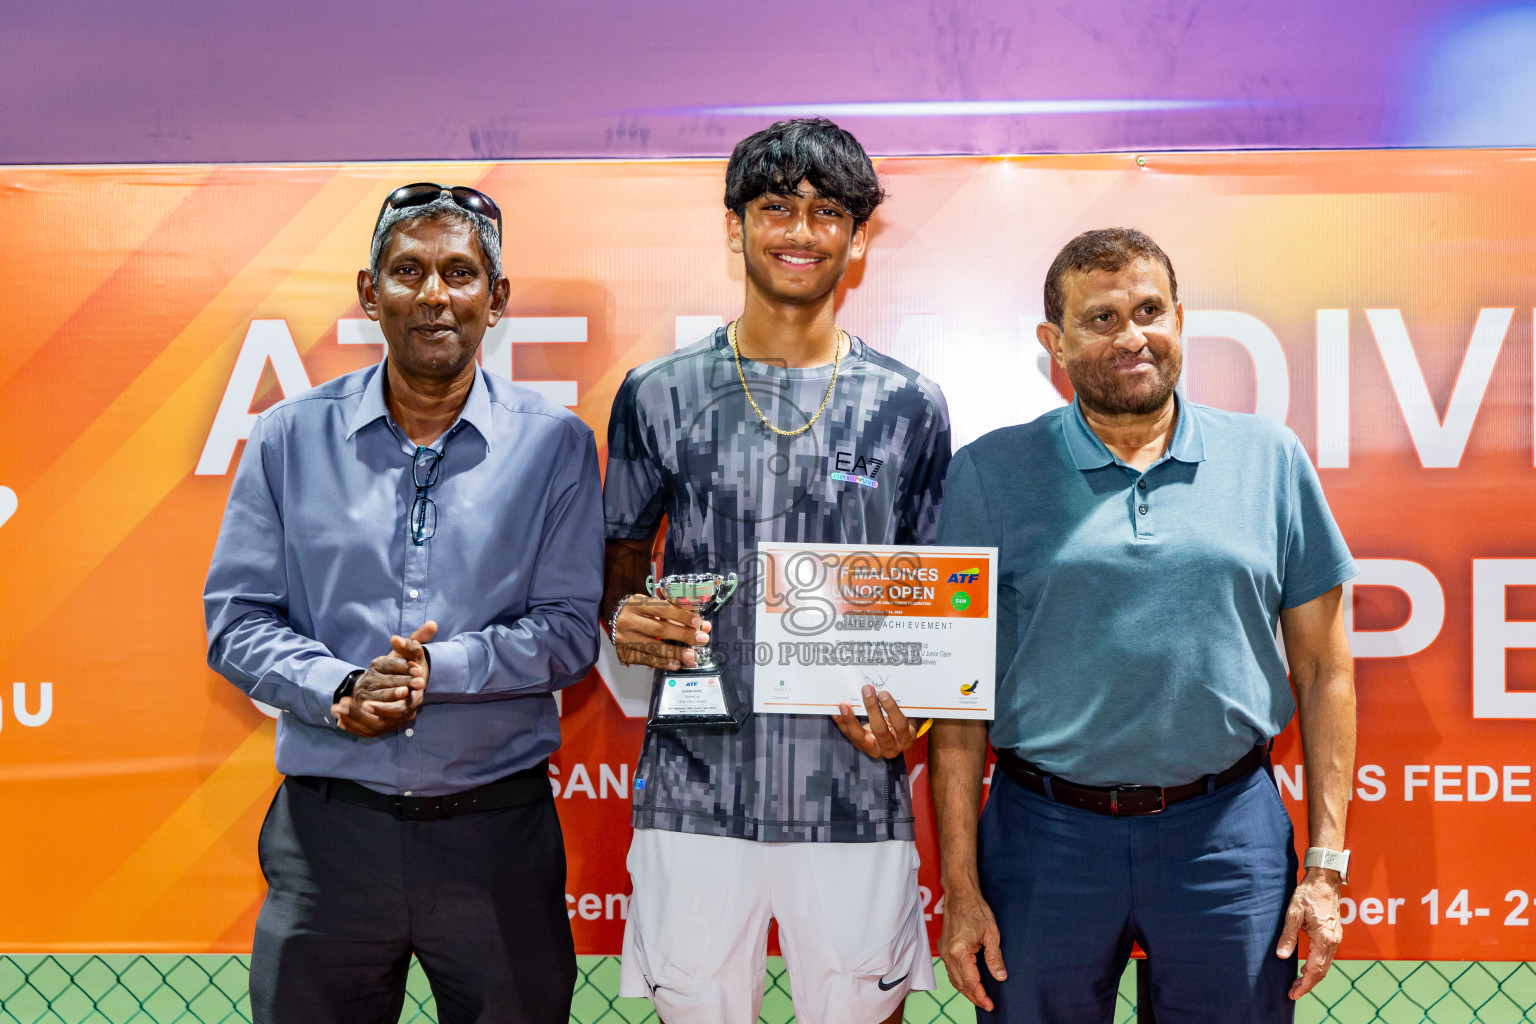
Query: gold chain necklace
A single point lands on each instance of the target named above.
(836, 362)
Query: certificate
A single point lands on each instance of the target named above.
(918, 622)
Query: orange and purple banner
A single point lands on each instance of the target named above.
(88, 81)
(1380, 303)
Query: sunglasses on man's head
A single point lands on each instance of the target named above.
(423, 192)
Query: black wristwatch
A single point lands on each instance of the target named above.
(348, 684)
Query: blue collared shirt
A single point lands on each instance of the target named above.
(1137, 609)
(315, 569)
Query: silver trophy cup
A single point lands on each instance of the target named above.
(701, 592)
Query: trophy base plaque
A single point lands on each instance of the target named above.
(688, 699)
(692, 697)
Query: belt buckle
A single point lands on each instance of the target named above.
(1114, 799)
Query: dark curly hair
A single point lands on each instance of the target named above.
(777, 159)
(1103, 249)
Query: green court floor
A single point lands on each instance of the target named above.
(208, 989)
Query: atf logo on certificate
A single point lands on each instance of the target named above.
(918, 622)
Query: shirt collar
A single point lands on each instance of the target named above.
(476, 411)
(477, 408)
(372, 406)
(1188, 444)
(1088, 452)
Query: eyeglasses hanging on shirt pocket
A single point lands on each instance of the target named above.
(425, 469)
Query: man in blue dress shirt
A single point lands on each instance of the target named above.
(409, 567)
(1148, 550)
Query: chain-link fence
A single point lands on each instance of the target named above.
(85, 989)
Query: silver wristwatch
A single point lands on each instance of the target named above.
(1333, 860)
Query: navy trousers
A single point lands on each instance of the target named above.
(1203, 887)
(352, 892)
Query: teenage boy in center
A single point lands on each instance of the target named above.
(778, 427)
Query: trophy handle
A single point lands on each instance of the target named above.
(650, 584)
(727, 588)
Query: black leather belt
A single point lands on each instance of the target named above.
(1123, 801)
(522, 787)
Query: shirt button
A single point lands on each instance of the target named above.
(1142, 509)
(1141, 485)
(410, 732)
(413, 593)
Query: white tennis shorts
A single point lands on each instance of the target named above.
(696, 937)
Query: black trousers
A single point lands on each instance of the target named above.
(352, 892)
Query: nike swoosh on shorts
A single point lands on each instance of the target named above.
(886, 986)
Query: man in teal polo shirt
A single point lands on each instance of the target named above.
(1148, 549)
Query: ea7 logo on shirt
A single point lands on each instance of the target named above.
(852, 462)
(965, 576)
(852, 468)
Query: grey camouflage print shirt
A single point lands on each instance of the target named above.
(684, 442)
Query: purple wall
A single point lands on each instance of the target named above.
(172, 80)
